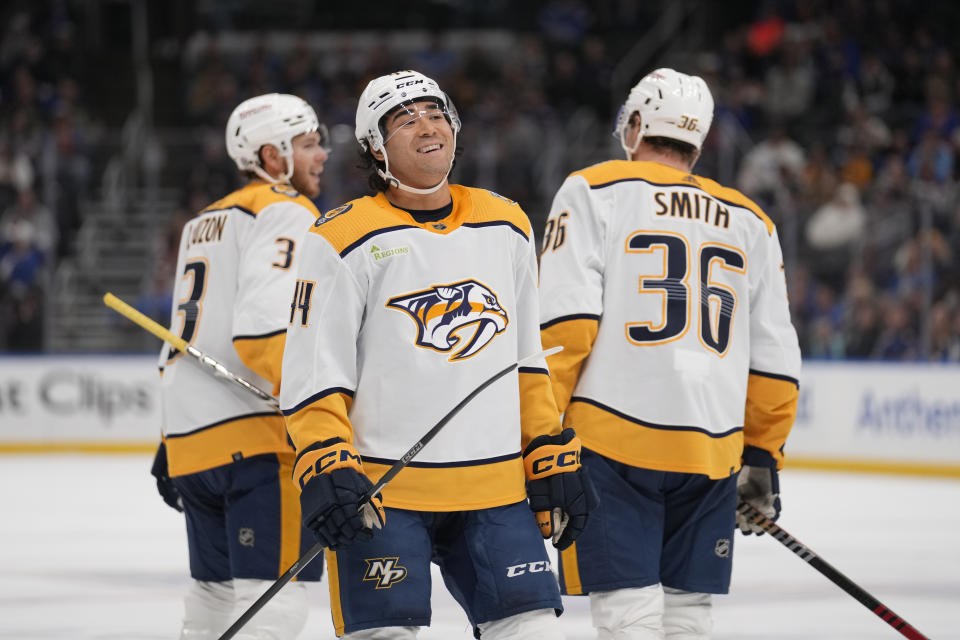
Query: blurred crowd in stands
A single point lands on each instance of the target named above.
(839, 118)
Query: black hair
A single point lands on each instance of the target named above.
(684, 150)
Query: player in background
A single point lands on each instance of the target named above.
(406, 301)
(225, 458)
(680, 364)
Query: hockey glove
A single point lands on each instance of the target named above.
(165, 486)
(332, 485)
(758, 485)
(559, 490)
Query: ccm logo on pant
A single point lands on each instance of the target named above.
(529, 567)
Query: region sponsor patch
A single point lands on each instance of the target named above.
(379, 253)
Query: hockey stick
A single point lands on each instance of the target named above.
(315, 550)
(821, 565)
(180, 344)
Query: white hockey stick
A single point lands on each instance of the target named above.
(411, 453)
(180, 344)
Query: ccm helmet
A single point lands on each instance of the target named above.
(382, 96)
(671, 105)
(272, 118)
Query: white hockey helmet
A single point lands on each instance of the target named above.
(382, 96)
(272, 118)
(671, 105)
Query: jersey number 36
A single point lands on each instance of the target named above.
(717, 302)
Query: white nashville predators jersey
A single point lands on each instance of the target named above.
(395, 321)
(668, 292)
(235, 274)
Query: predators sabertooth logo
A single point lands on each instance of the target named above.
(446, 314)
(386, 572)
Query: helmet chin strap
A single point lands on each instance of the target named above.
(389, 177)
(283, 179)
(623, 142)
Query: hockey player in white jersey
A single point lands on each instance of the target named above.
(406, 301)
(225, 458)
(680, 364)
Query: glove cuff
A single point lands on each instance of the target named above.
(549, 455)
(329, 455)
(757, 457)
(160, 468)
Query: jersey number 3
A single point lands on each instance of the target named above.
(191, 307)
(717, 302)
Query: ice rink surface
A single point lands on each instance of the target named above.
(88, 551)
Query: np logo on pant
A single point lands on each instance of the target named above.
(386, 572)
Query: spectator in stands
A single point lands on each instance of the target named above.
(775, 163)
(28, 208)
(21, 288)
(834, 231)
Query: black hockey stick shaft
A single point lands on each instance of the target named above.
(828, 570)
(411, 453)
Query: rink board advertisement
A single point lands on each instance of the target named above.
(57, 400)
(848, 412)
(885, 412)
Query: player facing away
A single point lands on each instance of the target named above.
(225, 455)
(680, 364)
(406, 301)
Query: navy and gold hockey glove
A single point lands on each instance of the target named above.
(759, 486)
(165, 486)
(332, 484)
(559, 489)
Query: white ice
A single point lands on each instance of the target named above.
(89, 551)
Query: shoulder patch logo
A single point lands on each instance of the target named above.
(446, 314)
(504, 198)
(290, 193)
(333, 213)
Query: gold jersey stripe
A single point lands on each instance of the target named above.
(219, 445)
(538, 413)
(656, 173)
(333, 581)
(652, 448)
(290, 528)
(577, 337)
(571, 571)
(460, 488)
(770, 411)
(360, 218)
(263, 356)
(257, 196)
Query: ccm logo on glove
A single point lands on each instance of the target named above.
(553, 459)
(313, 463)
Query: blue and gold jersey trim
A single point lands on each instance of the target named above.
(315, 397)
(352, 224)
(684, 449)
(256, 196)
(606, 174)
